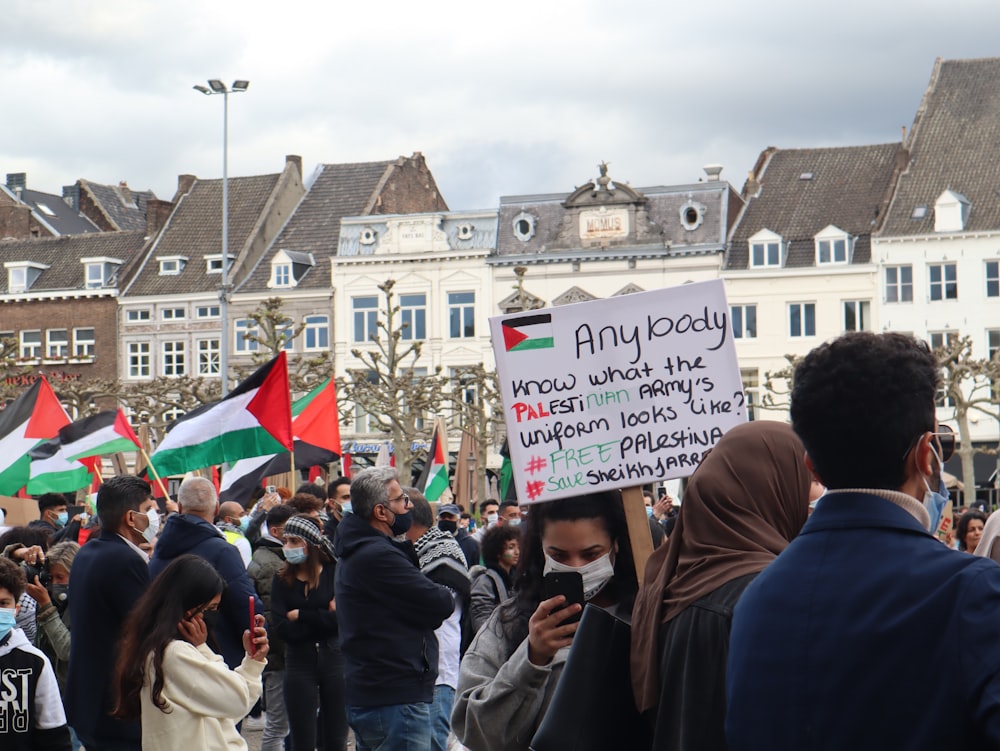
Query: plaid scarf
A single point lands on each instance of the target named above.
(309, 532)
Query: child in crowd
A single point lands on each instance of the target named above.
(31, 712)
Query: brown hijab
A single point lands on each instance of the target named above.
(746, 501)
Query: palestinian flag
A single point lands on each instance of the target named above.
(316, 427)
(434, 479)
(104, 433)
(35, 416)
(255, 419)
(507, 492)
(52, 472)
(528, 332)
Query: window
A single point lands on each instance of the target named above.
(137, 316)
(364, 422)
(831, 251)
(464, 383)
(138, 360)
(282, 275)
(207, 311)
(993, 345)
(365, 318)
(95, 275)
(744, 319)
(208, 357)
(174, 359)
(17, 279)
(31, 344)
(899, 284)
(943, 281)
(857, 315)
(417, 374)
(213, 264)
(244, 329)
(83, 342)
(765, 254)
(751, 387)
(993, 278)
(413, 314)
(461, 314)
(172, 265)
(317, 333)
(56, 343)
(802, 319)
(940, 340)
(172, 314)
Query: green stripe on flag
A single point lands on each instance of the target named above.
(544, 343)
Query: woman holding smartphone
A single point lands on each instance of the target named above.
(510, 671)
(168, 676)
(304, 614)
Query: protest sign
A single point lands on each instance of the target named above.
(619, 392)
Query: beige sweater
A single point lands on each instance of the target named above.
(205, 700)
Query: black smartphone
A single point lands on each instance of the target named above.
(566, 583)
(72, 511)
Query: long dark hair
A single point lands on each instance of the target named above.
(606, 506)
(188, 582)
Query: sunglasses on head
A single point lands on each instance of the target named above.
(944, 440)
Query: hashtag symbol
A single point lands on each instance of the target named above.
(537, 464)
(535, 488)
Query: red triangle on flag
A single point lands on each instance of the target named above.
(319, 423)
(47, 416)
(124, 429)
(512, 337)
(272, 404)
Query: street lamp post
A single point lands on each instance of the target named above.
(215, 86)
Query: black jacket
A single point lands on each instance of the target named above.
(387, 611)
(186, 533)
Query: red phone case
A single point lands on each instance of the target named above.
(253, 647)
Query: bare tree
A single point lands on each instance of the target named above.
(476, 404)
(390, 386)
(777, 388)
(274, 331)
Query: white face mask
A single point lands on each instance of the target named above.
(492, 518)
(149, 533)
(596, 574)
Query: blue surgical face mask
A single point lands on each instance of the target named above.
(649, 512)
(295, 555)
(61, 518)
(8, 618)
(244, 523)
(515, 522)
(347, 508)
(935, 502)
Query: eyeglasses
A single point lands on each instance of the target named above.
(945, 440)
(402, 497)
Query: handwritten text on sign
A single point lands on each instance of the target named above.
(619, 392)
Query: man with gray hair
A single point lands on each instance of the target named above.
(192, 531)
(387, 611)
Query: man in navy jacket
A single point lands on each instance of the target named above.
(388, 612)
(867, 632)
(192, 531)
(109, 574)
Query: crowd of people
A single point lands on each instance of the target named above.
(797, 598)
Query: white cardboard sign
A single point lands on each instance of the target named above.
(619, 392)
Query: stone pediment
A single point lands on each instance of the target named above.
(512, 303)
(572, 295)
(628, 289)
(603, 192)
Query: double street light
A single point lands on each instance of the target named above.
(215, 86)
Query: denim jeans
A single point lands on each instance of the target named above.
(275, 718)
(444, 699)
(395, 727)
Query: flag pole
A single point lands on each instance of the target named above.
(97, 471)
(152, 470)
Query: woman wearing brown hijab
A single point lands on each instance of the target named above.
(743, 505)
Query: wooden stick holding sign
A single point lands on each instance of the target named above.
(639, 536)
(617, 394)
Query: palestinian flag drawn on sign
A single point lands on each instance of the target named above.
(101, 434)
(35, 416)
(254, 420)
(528, 332)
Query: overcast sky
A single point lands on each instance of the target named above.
(502, 98)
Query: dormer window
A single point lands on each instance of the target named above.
(100, 272)
(213, 264)
(22, 274)
(172, 265)
(833, 246)
(765, 250)
(951, 211)
(288, 267)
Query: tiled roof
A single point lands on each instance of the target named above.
(805, 190)
(954, 144)
(194, 230)
(54, 212)
(124, 208)
(338, 190)
(62, 255)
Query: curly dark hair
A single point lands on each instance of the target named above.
(27, 536)
(962, 528)
(494, 541)
(860, 402)
(528, 579)
(305, 503)
(188, 582)
(12, 578)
